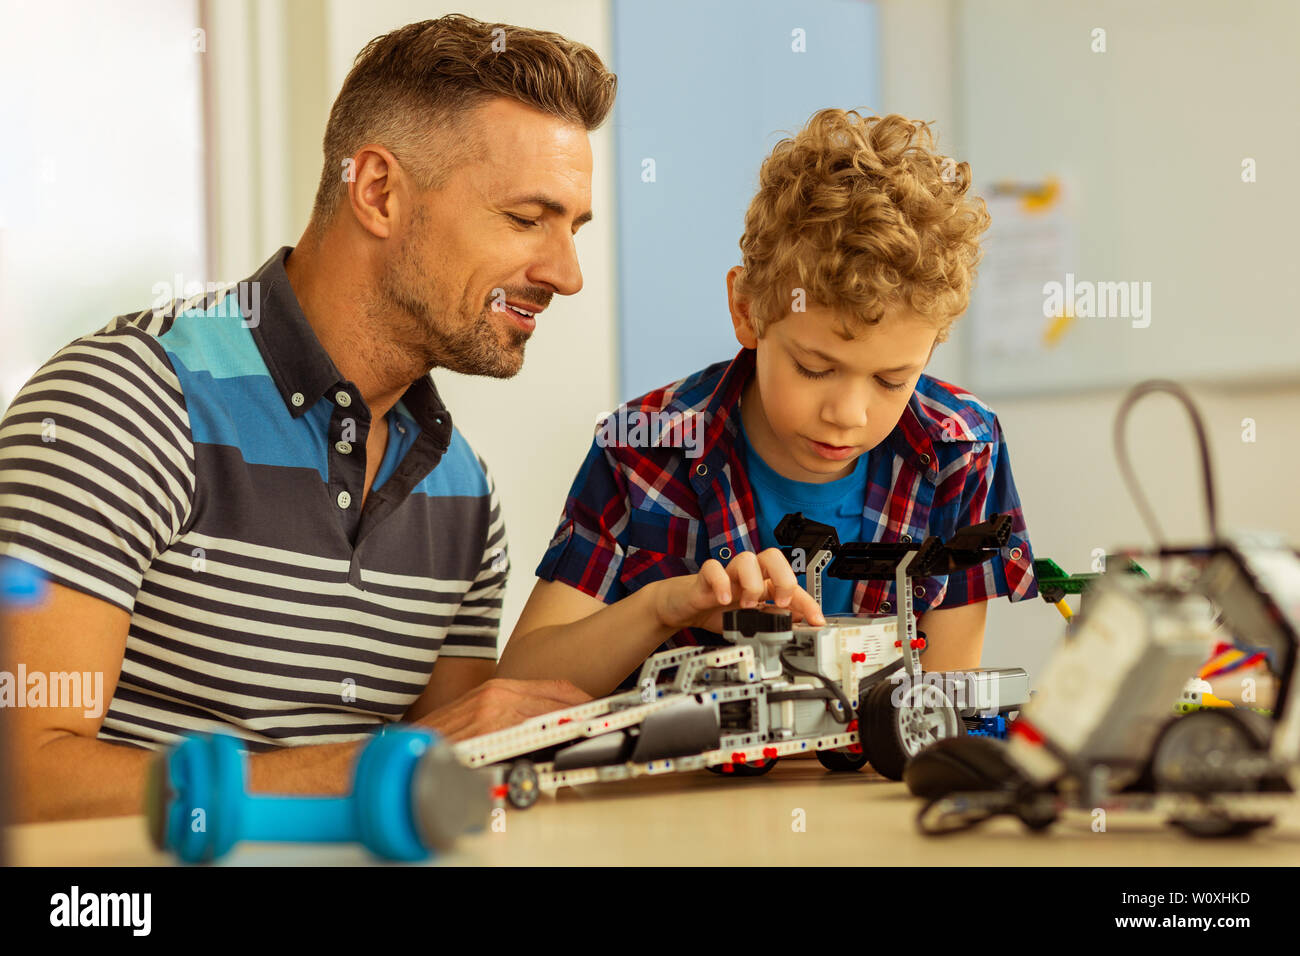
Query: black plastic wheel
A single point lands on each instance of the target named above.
(841, 761)
(1190, 743)
(522, 789)
(896, 734)
(1219, 828)
(746, 769)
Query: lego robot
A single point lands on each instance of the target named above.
(1099, 732)
(851, 691)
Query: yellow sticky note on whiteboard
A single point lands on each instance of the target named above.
(1057, 328)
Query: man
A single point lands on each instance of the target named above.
(254, 510)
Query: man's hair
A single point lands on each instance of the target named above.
(413, 90)
(861, 213)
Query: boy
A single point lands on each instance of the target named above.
(859, 251)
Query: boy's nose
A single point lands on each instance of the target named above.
(847, 409)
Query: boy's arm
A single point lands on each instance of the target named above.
(954, 636)
(567, 634)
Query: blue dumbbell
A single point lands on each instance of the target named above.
(410, 797)
(21, 584)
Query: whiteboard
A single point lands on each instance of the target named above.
(1151, 136)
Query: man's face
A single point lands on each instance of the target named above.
(818, 401)
(498, 234)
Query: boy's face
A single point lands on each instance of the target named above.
(817, 401)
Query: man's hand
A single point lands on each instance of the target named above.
(500, 703)
(698, 600)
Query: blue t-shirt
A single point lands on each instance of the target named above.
(838, 503)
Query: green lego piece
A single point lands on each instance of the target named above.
(1054, 583)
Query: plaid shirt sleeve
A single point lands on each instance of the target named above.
(990, 489)
(586, 552)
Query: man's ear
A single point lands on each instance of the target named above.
(740, 319)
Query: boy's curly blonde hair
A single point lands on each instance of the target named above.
(861, 212)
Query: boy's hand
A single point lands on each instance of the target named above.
(698, 600)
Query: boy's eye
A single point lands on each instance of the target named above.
(809, 373)
(522, 221)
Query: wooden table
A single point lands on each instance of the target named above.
(701, 819)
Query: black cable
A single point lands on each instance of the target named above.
(830, 685)
(1126, 470)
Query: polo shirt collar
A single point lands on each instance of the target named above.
(299, 365)
(303, 370)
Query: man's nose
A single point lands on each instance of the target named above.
(558, 266)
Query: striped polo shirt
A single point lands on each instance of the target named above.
(201, 466)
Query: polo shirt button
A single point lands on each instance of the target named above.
(297, 399)
(724, 553)
(345, 500)
(884, 605)
(343, 398)
(701, 469)
(343, 447)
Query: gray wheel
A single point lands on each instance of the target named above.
(1187, 754)
(522, 789)
(896, 733)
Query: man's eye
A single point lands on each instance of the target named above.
(809, 373)
(891, 386)
(522, 221)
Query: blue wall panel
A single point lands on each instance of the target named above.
(706, 89)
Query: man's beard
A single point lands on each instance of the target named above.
(472, 346)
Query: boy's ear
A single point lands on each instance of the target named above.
(740, 319)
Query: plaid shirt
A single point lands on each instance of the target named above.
(647, 510)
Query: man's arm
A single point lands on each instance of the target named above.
(954, 636)
(60, 770)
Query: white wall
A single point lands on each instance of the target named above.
(1061, 446)
(101, 174)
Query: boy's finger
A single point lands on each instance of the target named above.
(776, 568)
(802, 603)
(716, 582)
(745, 572)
